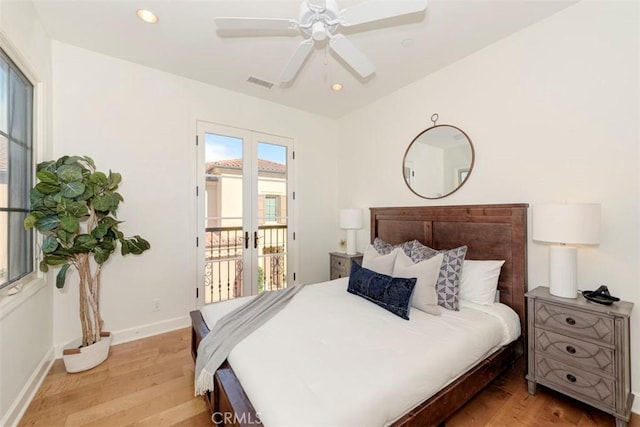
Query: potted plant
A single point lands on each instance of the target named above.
(74, 206)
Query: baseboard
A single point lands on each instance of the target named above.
(21, 403)
(138, 332)
(635, 408)
(126, 335)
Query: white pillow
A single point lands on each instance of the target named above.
(426, 272)
(382, 264)
(479, 281)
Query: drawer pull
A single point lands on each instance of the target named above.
(571, 378)
(571, 349)
(339, 276)
(570, 320)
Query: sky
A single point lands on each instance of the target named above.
(219, 147)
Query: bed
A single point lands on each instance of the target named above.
(490, 232)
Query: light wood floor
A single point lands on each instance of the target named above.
(150, 382)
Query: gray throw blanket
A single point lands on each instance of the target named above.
(229, 330)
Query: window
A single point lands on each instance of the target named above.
(271, 208)
(16, 154)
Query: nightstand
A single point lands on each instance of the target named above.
(340, 264)
(581, 349)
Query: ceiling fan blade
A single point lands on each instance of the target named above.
(296, 61)
(352, 55)
(375, 10)
(274, 24)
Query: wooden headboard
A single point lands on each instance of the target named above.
(491, 232)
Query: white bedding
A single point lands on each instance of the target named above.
(330, 358)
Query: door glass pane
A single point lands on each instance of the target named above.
(224, 240)
(272, 216)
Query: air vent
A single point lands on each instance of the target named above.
(259, 82)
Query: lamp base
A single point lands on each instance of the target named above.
(351, 242)
(563, 280)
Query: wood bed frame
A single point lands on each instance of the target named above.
(491, 232)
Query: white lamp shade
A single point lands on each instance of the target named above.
(351, 219)
(570, 223)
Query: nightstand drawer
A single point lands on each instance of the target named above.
(341, 264)
(342, 270)
(576, 323)
(575, 352)
(337, 275)
(569, 379)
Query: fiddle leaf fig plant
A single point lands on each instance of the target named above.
(74, 206)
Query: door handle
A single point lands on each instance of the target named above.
(255, 240)
(246, 240)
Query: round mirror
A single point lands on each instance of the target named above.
(438, 161)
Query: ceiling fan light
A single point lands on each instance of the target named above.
(318, 31)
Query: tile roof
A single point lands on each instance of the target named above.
(263, 165)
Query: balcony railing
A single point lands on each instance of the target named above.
(224, 267)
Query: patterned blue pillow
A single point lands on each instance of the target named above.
(385, 248)
(391, 293)
(448, 283)
(420, 252)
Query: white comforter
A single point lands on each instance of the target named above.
(330, 358)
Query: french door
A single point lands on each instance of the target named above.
(245, 203)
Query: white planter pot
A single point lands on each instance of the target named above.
(87, 357)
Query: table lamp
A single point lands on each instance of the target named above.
(566, 225)
(351, 220)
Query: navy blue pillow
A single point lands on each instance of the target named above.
(391, 293)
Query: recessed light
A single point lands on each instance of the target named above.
(147, 16)
(336, 87)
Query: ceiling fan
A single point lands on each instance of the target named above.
(321, 19)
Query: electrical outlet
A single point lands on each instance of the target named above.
(155, 304)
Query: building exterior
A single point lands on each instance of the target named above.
(225, 234)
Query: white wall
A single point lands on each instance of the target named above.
(141, 122)
(553, 114)
(25, 318)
